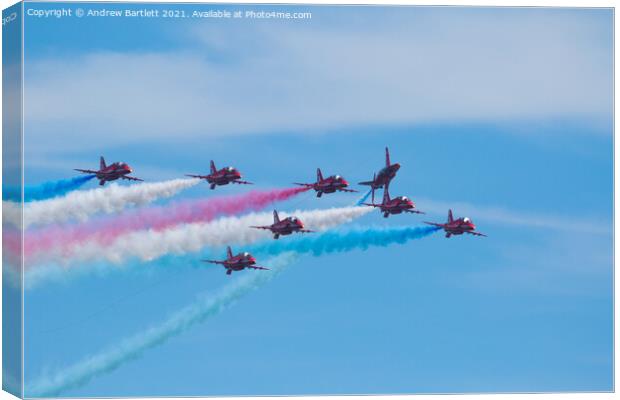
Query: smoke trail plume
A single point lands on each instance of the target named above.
(46, 190)
(148, 245)
(177, 323)
(81, 205)
(344, 240)
(106, 229)
(127, 350)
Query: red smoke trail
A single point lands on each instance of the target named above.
(106, 229)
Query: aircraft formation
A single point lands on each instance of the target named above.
(289, 225)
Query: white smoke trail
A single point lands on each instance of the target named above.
(80, 205)
(147, 245)
(177, 323)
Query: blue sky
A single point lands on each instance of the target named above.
(503, 114)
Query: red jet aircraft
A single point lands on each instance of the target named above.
(396, 205)
(236, 263)
(284, 227)
(385, 176)
(224, 176)
(457, 226)
(327, 185)
(110, 172)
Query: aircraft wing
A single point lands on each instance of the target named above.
(349, 190)
(86, 171)
(434, 224)
(261, 227)
(305, 231)
(308, 185)
(197, 176)
(476, 233)
(367, 183)
(242, 182)
(415, 212)
(257, 267)
(131, 178)
(372, 205)
(213, 262)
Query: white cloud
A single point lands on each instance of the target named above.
(313, 76)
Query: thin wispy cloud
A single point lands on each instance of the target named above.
(561, 265)
(315, 76)
(504, 216)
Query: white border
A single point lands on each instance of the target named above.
(487, 3)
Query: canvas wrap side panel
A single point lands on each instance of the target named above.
(12, 176)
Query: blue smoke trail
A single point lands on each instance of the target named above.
(363, 199)
(46, 190)
(343, 240)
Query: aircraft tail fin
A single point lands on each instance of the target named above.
(450, 217)
(386, 193)
(102, 163)
(213, 170)
(319, 175)
(229, 252)
(372, 187)
(276, 218)
(387, 157)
